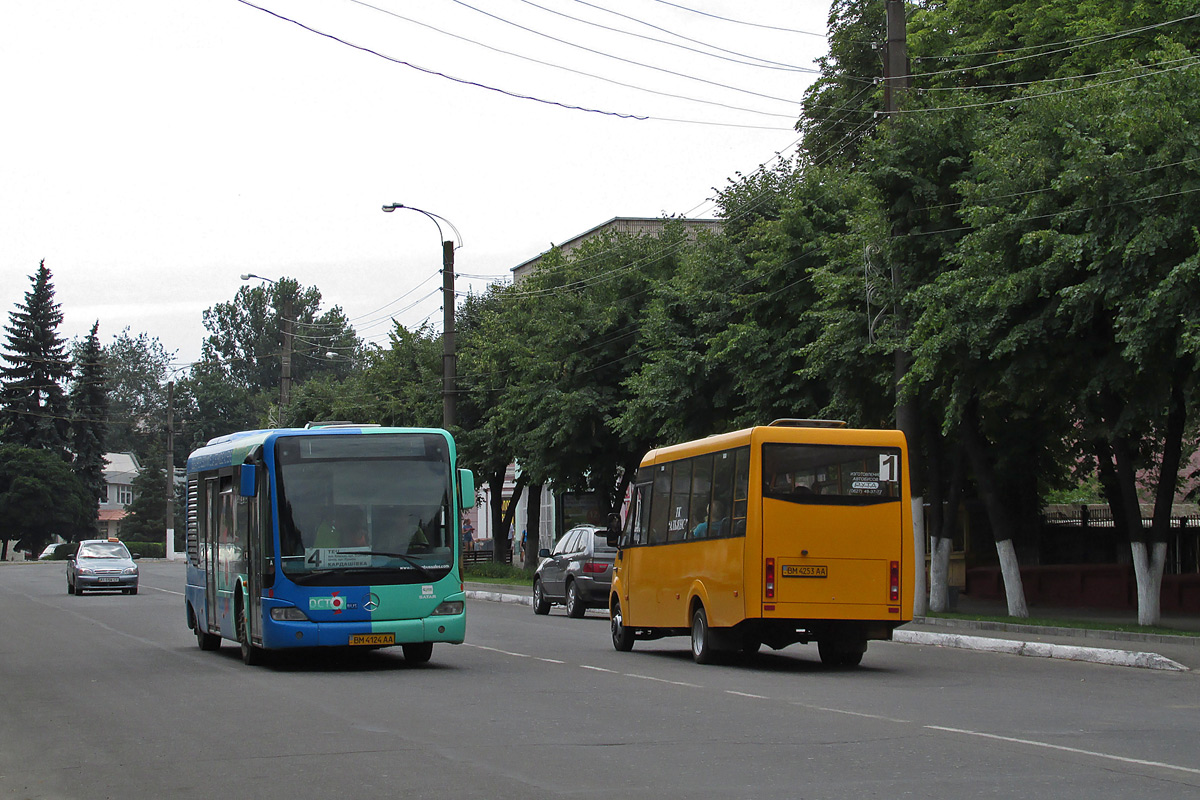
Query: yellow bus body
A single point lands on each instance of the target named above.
(838, 571)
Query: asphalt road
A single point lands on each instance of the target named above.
(107, 695)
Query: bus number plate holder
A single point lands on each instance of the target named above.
(372, 639)
(805, 571)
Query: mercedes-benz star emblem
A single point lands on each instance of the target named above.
(371, 602)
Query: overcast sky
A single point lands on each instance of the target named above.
(154, 151)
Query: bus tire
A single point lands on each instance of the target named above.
(575, 606)
(251, 656)
(418, 652)
(840, 654)
(541, 605)
(204, 640)
(622, 636)
(703, 650)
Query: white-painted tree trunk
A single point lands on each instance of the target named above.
(939, 573)
(1148, 564)
(920, 598)
(1014, 590)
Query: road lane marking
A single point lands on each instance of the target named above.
(498, 650)
(662, 680)
(853, 713)
(1034, 743)
(747, 694)
(598, 669)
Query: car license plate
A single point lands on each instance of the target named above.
(805, 571)
(375, 639)
(108, 580)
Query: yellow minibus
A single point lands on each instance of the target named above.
(797, 531)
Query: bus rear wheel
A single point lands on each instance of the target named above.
(418, 652)
(703, 650)
(841, 654)
(622, 636)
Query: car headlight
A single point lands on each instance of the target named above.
(130, 571)
(288, 614)
(86, 571)
(448, 608)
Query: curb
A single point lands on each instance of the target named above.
(1095, 655)
(499, 597)
(1044, 630)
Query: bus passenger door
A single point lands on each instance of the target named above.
(212, 516)
(251, 540)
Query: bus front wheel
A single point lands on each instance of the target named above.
(418, 652)
(703, 651)
(622, 636)
(251, 656)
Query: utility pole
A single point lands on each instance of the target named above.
(285, 359)
(170, 552)
(448, 356)
(895, 76)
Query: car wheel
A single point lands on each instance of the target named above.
(418, 653)
(702, 644)
(622, 636)
(70, 588)
(78, 590)
(540, 604)
(133, 590)
(575, 606)
(251, 655)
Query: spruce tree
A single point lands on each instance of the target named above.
(33, 403)
(146, 516)
(89, 412)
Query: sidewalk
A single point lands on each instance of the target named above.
(1117, 648)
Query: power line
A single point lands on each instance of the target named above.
(435, 73)
(563, 68)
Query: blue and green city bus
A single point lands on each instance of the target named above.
(333, 535)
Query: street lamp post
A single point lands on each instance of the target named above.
(285, 358)
(448, 355)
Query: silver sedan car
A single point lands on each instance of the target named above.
(102, 564)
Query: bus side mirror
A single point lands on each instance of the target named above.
(466, 488)
(613, 534)
(248, 486)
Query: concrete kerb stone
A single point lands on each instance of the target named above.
(1096, 655)
(499, 597)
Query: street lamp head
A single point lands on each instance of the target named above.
(390, 208)
(246, 276)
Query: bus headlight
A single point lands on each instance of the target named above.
(288, 614)
(448, 608)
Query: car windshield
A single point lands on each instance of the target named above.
(103, 550)
(364, 508)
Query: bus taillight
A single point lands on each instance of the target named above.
(894, 594)
(770, 576)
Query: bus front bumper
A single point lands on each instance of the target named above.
(451, 628)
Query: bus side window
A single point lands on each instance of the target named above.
(723, 494)
(660, 505)
(639, 515)
(681, 502)
(741, 488)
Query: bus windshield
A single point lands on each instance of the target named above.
(364, 509)
(831, 474)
